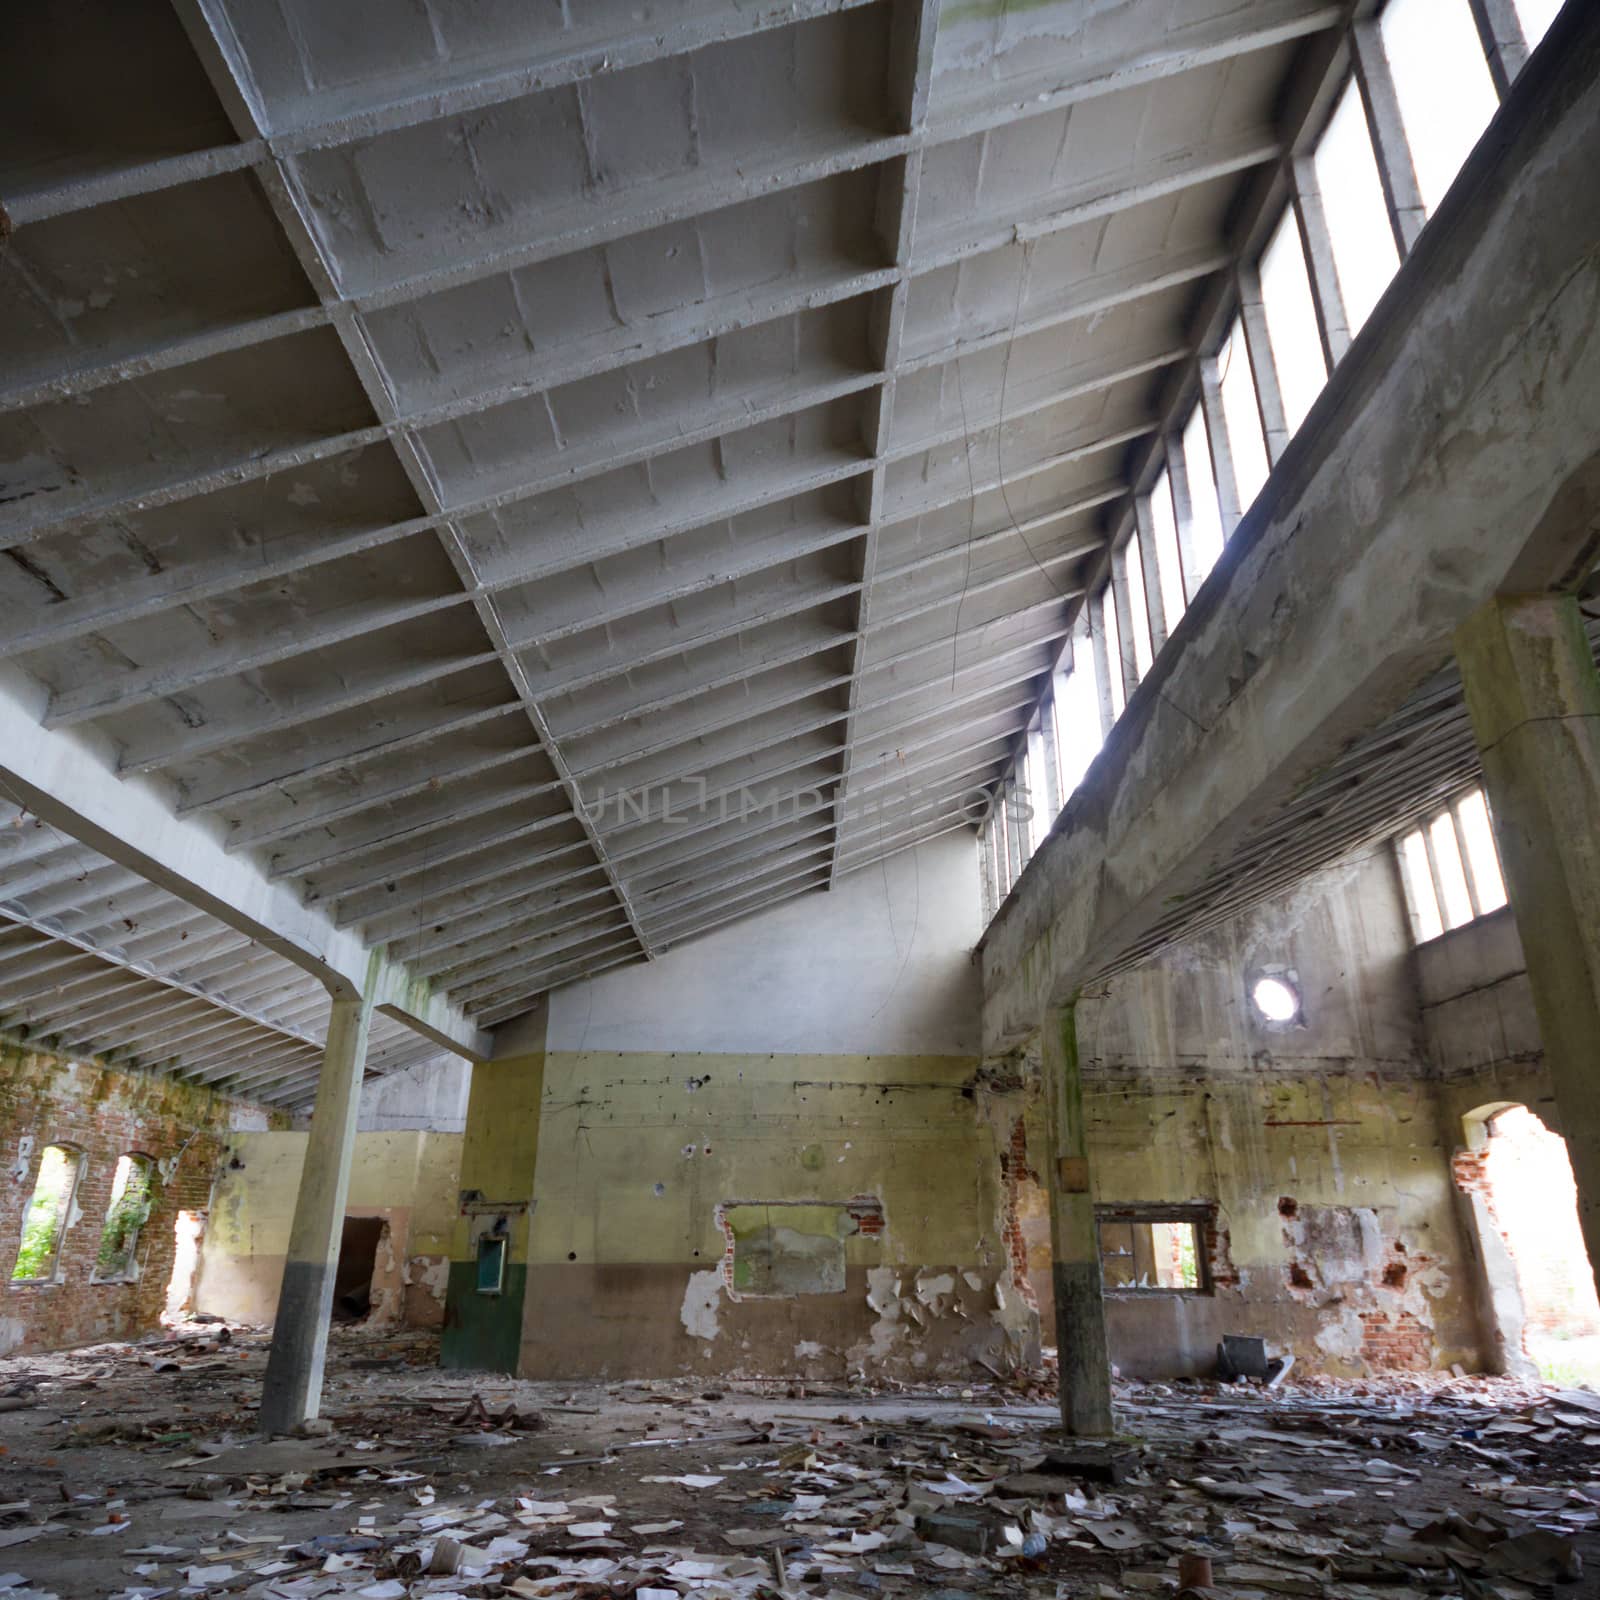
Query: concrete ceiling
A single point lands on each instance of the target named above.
(422, 420)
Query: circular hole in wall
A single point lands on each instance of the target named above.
(1275, 998)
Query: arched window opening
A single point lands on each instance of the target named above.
(49, 1211)
(133, 1193)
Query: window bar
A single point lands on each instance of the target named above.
(1317, 242)
(1096, 636)
(1183, 514)
(1395, 170)
(1269, 398)
(1128, 664)
(1150, 560)
(1222, 472)
(1505, 45)
(1466, 863)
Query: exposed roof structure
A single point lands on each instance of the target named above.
(534, 483)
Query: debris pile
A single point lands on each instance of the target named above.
(423, 1483)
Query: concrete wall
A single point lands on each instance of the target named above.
(406, 1177)
(772, 1150)
(1322, 1143)
(104, 1114)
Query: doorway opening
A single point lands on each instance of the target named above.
(358, 1260)
(187, 1233)
(1541, 1286)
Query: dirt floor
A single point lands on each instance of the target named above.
(133, 1470)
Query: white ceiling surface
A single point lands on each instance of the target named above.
(415, 417)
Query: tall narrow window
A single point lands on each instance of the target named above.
(1041, 782)
(1242, 414)
(1077, 698)
(1483, 859)
(133, 1193)
(1442, 82)
(1426, 921)
(1108, 622)
(45, 1220)
(1169, 560)
(1206, 531)
(1138, 607)
(1449, 875)
(1364, 254)
(1292, 321)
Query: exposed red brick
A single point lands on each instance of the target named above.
(104, 1114)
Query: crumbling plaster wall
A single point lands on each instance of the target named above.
(1320, 1142)
(47, 1099)
(408, 1177)
(789, 1105)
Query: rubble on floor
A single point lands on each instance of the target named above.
(134, 1471)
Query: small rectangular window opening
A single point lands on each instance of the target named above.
(491, 1264)
(1153, 1249)
(45, 1220)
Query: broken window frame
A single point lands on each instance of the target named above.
(1200, 1215)
(1475, 852)
(63, 1219)
(131, 1223)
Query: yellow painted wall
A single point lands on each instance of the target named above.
(408, 1175)
(638, 1150)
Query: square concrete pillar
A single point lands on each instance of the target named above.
(292, 1390)
(485, 1301)
(1534, 698)
(1074, 1238)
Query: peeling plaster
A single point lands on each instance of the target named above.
(700, 1297)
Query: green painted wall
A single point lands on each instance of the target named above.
(499, 1158)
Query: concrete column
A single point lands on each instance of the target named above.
(1505, 46)
(1534, 698)
(1183, 514)
(483, 1321)
(1222, 473)
(1382, 106)
(292, 1390)
(1333, 325)
(1263, 367)
(1074, 1240)
(1127, 662)
(1150, 559)
(1095, 633)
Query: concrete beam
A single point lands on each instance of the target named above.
(71, 785)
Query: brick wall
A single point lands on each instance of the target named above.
(105, 1114)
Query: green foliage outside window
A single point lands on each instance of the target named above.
(132, 1196)
(46, 1215)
